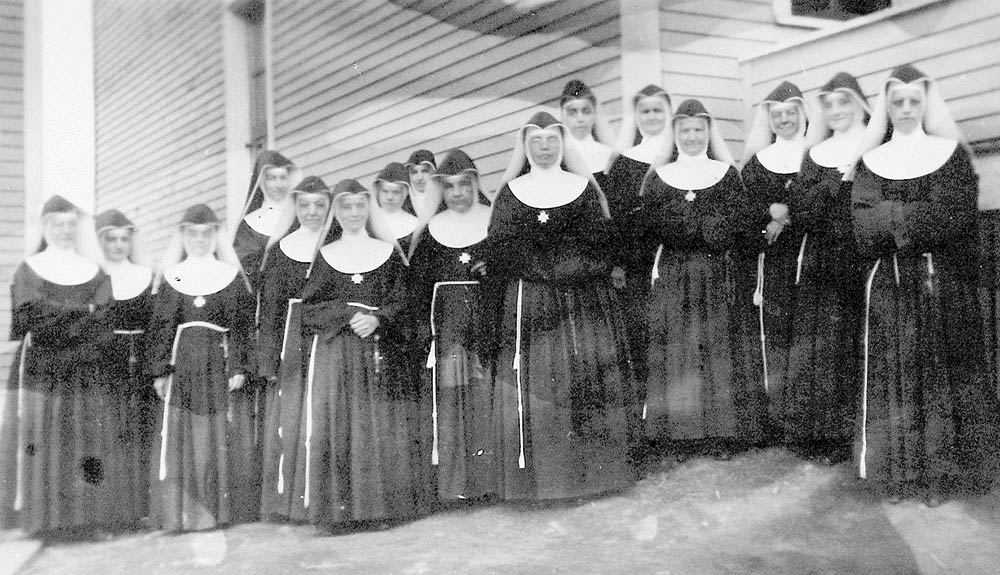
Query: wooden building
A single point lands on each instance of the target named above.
(185, 92)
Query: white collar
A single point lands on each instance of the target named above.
(908, 156)
(401, 223)
(63, 267)
(783, 156)
(353, 255)
(419, 201)
(594, 153)
(693, 172)
(263, 219)
(647, 149)
(200, 275)
(547, 188)
(838, 150)
(128, 280)
(300, 245)
(455, 230)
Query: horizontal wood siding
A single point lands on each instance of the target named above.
(160, 110)
(11, 163)
(702, 41)
(358, 87)
(955, 42)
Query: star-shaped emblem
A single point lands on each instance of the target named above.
(465, 258)
(543, 216)
(690, 196)
(199, 301)
(357, 278)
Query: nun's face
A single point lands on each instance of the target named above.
(199, 239)
(544, 146)
(275, 184)
(459, 193)
(352, 212)
(785, 119)
(311, 210)
(116, 244)
(841, 110)
(60, 230)
(651, 115)
(692, 135)
(391, 196)
(906, 108)
(419, 174)
(579, 116)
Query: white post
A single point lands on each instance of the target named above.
(59, 108)
(239, 160)
(640, 41)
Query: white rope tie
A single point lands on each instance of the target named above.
(802, 253)
(655, 275)
(862, 467)
(284, 345)
(309, 415)
(19, 490)
(758, 300)
(517, 372)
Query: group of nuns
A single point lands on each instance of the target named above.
(360, 355)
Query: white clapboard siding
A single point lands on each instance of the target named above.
(955, 42)
(701, 42)
(365, 86)
(11, 163)
(160, 110)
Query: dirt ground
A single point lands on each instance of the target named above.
(762, 512)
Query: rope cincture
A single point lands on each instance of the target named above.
(19, 490)
(432, 365)
(862, 465)
(309, 418)
(170, 383)
(517, 372)
(281, 458)
(653, 276)
(798, 265)
(758, 300)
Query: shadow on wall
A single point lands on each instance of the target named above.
(514, 18)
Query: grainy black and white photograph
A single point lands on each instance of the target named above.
(476, 287)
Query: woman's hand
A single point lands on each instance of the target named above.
(772, 231)
(236, 381)
(363, 324)
(779, 219)
(160, 385)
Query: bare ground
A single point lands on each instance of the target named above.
(763, 512)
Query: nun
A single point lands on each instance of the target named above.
(280, 358)
(563, 385)
(362, 461)
(772, 155)
(817, 402)
(199, 351)
(133, 400)
(420, 166)
(54, 452)
(393, 194)
(642, 137)
(698, 397)
(928, 417)
(273, 175)
(459, 375)
(589, 132)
